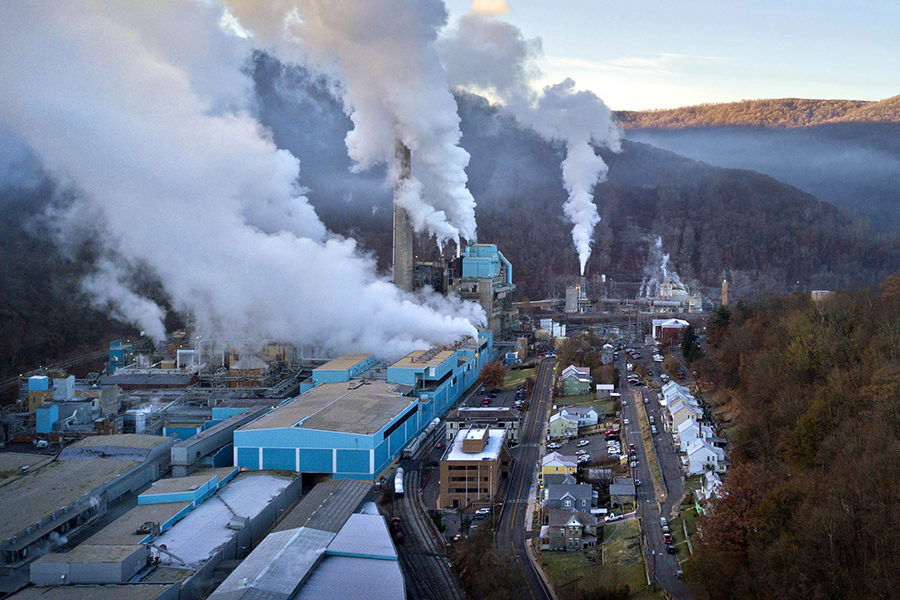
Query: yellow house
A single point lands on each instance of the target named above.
(557, 463)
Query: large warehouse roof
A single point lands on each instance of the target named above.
(419, 359)
(349, 407)
(343, 363)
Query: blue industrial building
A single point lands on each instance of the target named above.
(120, 355)
(352, 424)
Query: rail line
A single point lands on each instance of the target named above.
(422, 554)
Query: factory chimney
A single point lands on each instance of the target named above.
(724, 292)
(403, 230)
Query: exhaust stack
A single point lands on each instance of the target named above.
(403, 257)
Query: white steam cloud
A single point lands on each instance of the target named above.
(143, 108)
(393, 87)
(656, 271)
(492, 57)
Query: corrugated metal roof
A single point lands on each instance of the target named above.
(327, 506)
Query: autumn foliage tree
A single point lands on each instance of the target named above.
(492, 374)
(812, 502)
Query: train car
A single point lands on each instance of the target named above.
(398, 483)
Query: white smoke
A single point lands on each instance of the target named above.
(393, 88)
(492, 57)
(656, 271)
(143, 109)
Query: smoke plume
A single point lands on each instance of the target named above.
(144, 111)
(492, 57)
(656, 271)
(389, 77)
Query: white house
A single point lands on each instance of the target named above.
(703, 456)
(712, 486)
(573, 370)
(586, 416)
(690, 430)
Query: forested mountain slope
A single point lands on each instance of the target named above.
(781, 112)
(813, 495)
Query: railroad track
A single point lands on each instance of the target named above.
(422, 556)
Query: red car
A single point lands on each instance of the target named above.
(667, 538)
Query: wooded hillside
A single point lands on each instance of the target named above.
(776, 113)
(813, 495)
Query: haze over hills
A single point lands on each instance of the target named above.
(763, 234)
(711, 220)
(844, 152)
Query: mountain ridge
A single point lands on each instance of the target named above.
(775, 113)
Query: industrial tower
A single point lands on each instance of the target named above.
(403, 231)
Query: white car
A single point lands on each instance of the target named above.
(583, 443)
(483, 511)
(627, 422)
(554, 446)
(612, 517)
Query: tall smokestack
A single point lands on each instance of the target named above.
(403, 230)
(724, 292)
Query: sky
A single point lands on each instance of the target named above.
(644, 54)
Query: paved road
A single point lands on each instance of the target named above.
(511, 533)
(662, 565)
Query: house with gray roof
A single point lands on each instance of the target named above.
(572, 497)
(568, 530)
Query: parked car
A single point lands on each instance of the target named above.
(653, 429)
(612, 517)
(665, 529)
(554, 446)
(646, 400)
(637, 483)
(679, 574)
(667, 538)
(663, 522)
(583, 443)
(626, 421)
(481, 513)
(670, 549)
(652, 420)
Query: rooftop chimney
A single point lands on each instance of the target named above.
(403, 231)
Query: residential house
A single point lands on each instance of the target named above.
(569, 497)
(703, 456)
(575, 380)
(562, 425)
(691, 430)
(587, 416)
(556, 463)
(607, 354)
(668, 329)
(681, 411)
(568, 530)
(711, 488)
(622, 492)
(559, 479)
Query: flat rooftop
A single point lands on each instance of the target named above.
(134, 591)
(121, 532)
(11, 462)
(190, 483)
(419, 359)
(123, 440)
(347, 407)
(205, 529)
(37, 495)
(342, 363)
(491, 449)
(91, 553)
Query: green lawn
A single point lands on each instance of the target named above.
(616, 562)
(607, 406)
(689, 518)
(514, 378)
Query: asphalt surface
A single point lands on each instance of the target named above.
(511, 532)
(650, 508)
